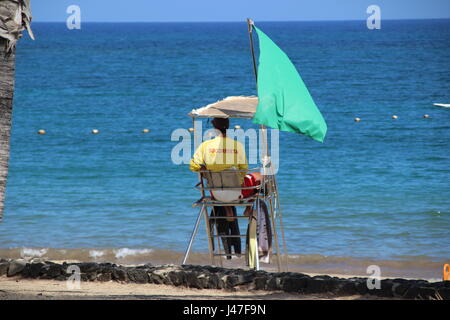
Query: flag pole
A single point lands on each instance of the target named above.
(266, 156)
(250, 24)
(265, 153)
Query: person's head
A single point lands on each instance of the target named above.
(221, 124)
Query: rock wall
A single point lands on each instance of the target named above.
(208, 277)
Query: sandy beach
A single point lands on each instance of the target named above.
(47, 280)
(24, 289)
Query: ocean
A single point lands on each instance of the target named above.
(375, 192)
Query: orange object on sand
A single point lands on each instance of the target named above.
(446, 272)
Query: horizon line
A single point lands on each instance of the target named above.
(244, 21)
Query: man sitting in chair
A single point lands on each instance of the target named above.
(219, 154)
(223, 153)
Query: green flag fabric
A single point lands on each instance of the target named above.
(284, 101)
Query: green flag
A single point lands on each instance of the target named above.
(284, 100)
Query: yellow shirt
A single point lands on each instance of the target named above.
(218, 154)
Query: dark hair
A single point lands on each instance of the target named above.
(221, 124)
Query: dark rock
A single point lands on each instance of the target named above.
(159, 275)
(54, 270)
(4, 268)
(192, 280)
(213, 281)
(444, 293)
(106, 268)
(411, 293)
(260, 283)
(231, 281)
(360, 286)
(294, 283)
(137, 275)
(399, 288)
(274, 284)
(155, 278)
(203, 280)
(119, 274)
(88, 267)
(427, 293)
(321, 284)
(33, 270)
(177, 278)
(16, 267)
(245, 277)
(346, 288)
(386, 289)
(104, 277)
(91, 276)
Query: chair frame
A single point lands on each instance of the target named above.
(267, 191)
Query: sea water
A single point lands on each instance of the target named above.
(375, 190)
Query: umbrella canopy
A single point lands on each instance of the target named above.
(230, 107)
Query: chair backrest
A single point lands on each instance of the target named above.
(220, 183)
(223, 179)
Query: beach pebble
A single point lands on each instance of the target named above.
(41, 131)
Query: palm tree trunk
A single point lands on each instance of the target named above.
(7, 74)
(15, 16)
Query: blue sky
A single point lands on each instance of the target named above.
(237, 10)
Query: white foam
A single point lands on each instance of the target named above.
(96, 254)
(30, 252)
(443, 105)
(125, 252)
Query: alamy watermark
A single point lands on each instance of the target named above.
(74, 20)
(73, 282)
(374, 280)
(253, 140)
(374, 20)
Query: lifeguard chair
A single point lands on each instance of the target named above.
(266, 193)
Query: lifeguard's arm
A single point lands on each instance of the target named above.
(198, 159)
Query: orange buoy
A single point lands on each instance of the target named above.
(446, 272)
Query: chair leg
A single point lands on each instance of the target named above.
(194, 233)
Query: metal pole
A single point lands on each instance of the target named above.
(250, 24)
(277, 203)
(210, 238)
(258, 213)
(194, 232)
